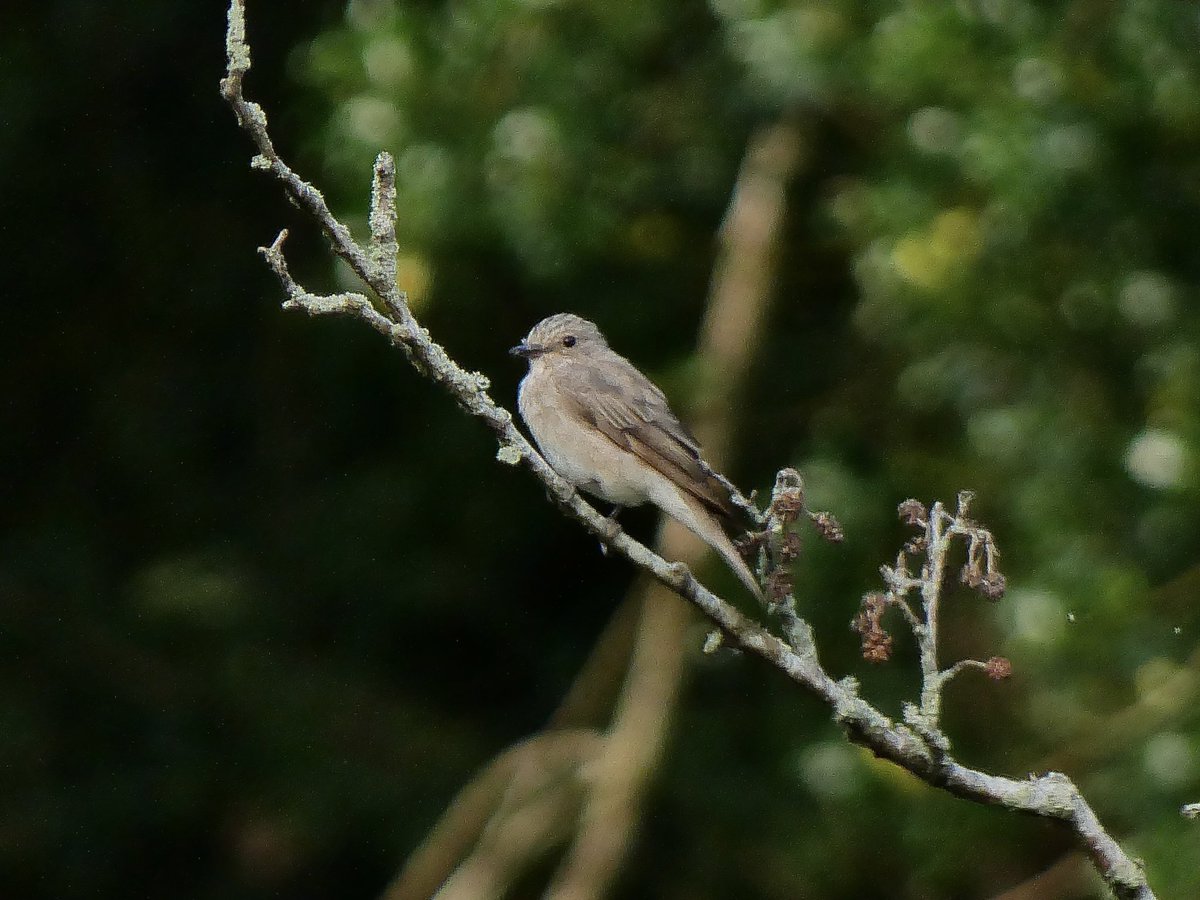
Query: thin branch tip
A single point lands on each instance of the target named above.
(237, 51)
(919, 747)
(385, 165)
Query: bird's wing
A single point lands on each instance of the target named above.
(628, 409)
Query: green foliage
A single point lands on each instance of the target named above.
(270, 599)
(1014, 189)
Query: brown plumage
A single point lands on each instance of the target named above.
(632, 412)
(606, 428)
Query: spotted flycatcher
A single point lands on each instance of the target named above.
(604, 427)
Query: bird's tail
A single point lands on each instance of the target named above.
(700, 521)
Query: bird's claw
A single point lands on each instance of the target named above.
(611, 529)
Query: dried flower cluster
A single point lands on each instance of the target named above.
(919, 746)
(876, 643)
(998, 668)
(778, 545)
(936, 531)
(828, 527)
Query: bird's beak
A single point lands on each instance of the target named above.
(526, 350)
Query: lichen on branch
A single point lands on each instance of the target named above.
(917, 744)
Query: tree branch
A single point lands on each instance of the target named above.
(731, 330)
(1050, 796)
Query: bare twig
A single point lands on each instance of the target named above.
(652, 649)
(737, 301)
(1050, 796)
(937, 532)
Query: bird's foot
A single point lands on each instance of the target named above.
(611, 529)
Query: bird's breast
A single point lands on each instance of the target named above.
(575, 448)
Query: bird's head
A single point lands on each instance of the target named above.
(560, 336)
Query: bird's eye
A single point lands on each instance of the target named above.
(569, 340)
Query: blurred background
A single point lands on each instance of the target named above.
(269, 601)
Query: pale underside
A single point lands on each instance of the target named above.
(611, 433)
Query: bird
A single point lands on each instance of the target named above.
(608, 430)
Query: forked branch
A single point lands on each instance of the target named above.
(917, 745)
